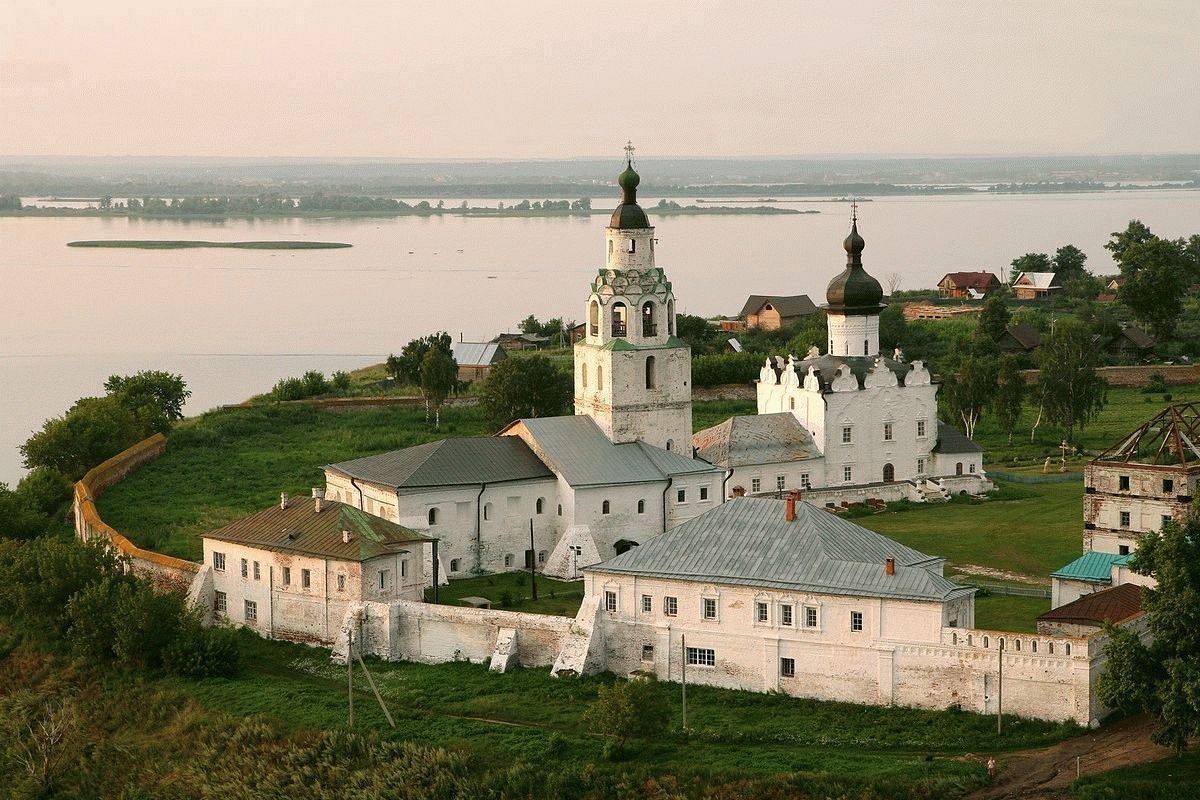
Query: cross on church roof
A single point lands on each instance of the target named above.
(854, 211)
(629, 148)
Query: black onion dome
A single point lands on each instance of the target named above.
(629, 214)
(853, 291)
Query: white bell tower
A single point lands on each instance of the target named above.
(632, 375)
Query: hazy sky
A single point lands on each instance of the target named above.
(510, 78)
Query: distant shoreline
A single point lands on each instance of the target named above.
(182, 244)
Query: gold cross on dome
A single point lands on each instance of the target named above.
(629, 151)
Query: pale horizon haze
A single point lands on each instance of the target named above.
(456, 80)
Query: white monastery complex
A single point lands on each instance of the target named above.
(727, 539)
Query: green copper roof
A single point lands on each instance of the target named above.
(1092, 567)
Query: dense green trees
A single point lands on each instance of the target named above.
(1155, 274)
(406, 367)
(93, 429)
(155, 397)
(525, 387)
(1162, 677)
(632, 708)
(1070, 393)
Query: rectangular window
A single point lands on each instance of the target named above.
(805, 481)
(887, 432)
(847, 473)
(385, 579)
(710, 608)
(787, 667)
(760, 612)
(404, 568)
(670, 606)
(703, 492)
(701, 657)
(647, 652)
(647, 604)
(341, 583)
(305, 578)
(920, 466)
(1123, 549)
(245, 568)
(1123, 483)
(1168, 486)
(219, 561)
(1124, 519)
(847, 434)
(755, 485)
(920, 429)
(287, 576)
(610, 602)
(681, 496)
(220, 603)
(257, 573)
(780, 483)
(1165, 519)
(856, 621)
(971, 469)
(251, 611)
(810, 617)
(785, 615)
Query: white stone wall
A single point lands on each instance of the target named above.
(795, 474)
(434, 634)
(847, 334)
(624, 407)
(313, 613)
(866, 412)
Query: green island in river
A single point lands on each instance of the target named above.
(179, 244)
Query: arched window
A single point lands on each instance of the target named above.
(540, 505)
(650, 378)
(889, 473)
(954, 638)
(1050, 645)
(594, 318)
(454, 565)
(605, 507)
(1018, 644)
(649, 327)
(1033, 645)
(866, 348)
(610, 247)
(958, 468)
(560, 509)
(487, 510)
(791, 404)
(1067, 648)
(599, 378)
(986, 641)
(631, 246)
(583, 375)
(670, 444)
(641, 506)
(671, 317)
(433, 516)
(619, 319)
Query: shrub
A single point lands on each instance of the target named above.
(200, 652)
(628, 708)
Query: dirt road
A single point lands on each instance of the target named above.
(1046, 774)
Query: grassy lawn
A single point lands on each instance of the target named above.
(527, 715)
(1174, 778)
(1031, 529)
(511, 591)
(1001, 612)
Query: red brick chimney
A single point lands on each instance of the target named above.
(792, 498)
(889, 566)
(739, 491)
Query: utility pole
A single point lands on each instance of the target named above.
(683, 646)
(1000, 691)
(350, 672)
(532, 561)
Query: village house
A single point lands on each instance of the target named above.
(1132, 345)
(1088, 614)
(772, 312)
(1018, 337)
(291, 571)
(968, 285)
(476, 359)
(1036, 285)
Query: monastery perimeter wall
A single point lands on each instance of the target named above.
(166, 573)
(1173, 374)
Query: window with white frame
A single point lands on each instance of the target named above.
(218, 561)
(455, 565)
(755, 485)
(709, 605)
(287, 576)
(541, 556)
(257, 573)
(1124, 519)
(610, 602)
(888, 434)
(847, 434)
(341, 583)
(787, 667)
(780, 483)
(701, 657)
(703, 492)
(220, 603)
(810, 617)
(856, 620)
(920, 466)
(641, 506)
(647, 604)
(671, 606)
(647, 652)
(805, 481)
(305, 578)
(760, 612)
(508, 559)
(487, 511)
(245, 568)
(785, 615)
(920, 429)
(847, 473)
(681, 496)
(251, 611)
(971, 469)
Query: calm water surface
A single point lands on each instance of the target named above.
(235, 321)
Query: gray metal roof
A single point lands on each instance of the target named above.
(952, 440)
(748, 542)
(473, 354)
(449, 462)
(758, 439)
(576, 448)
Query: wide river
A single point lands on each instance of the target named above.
(235, 321)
